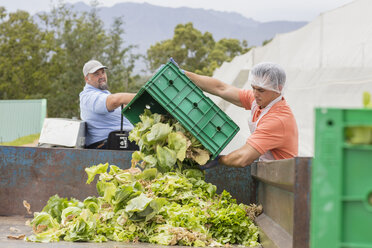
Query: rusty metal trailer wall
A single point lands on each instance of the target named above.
(283, 189)
(34, 174)
(237, 181)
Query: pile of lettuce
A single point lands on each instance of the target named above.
(165, 202)
(164, 143)
(173, 208)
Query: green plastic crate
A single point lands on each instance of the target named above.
(170, 91)
(341, 190)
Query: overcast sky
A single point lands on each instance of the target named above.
(260, 10)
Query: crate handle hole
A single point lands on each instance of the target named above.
(171, 82)
(195, 104)
(219, 129)
(148, 106)
(370, 198)
(330, 123)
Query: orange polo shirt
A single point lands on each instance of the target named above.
(276, 131)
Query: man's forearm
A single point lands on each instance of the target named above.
(115, 100)
(216, 87)
(208, 84)
(242, 157)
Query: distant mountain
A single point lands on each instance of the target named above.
(146, 24)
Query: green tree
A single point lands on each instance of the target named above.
(45, 60)
(78, 38)
(24, 50)
(120, 61)
(195, 51)
(224, 50)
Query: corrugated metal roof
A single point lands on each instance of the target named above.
(20, 118)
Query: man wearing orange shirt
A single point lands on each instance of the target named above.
(274, 133)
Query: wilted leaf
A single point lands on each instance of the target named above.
(133, 171)
(43, 221)
(253, 211)
(200, 156)
(19, 237)
(27, 206)
(69, 214)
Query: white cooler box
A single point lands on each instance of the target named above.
(60, 132)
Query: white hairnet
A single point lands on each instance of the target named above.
(268, 76)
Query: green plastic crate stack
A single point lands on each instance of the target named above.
(171, 92)
(341, 190)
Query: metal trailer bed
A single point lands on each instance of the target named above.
(34, 174)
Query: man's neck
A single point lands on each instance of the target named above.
(262, 107)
